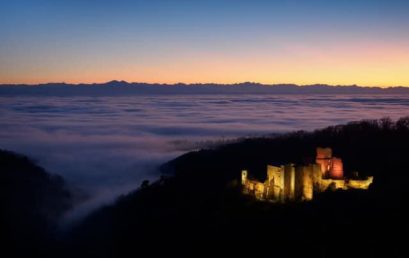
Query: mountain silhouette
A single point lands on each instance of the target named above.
(116, 87)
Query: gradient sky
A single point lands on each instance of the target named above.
(363, 42)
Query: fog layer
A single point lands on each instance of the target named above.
(108, 145)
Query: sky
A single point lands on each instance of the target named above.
(364, 42)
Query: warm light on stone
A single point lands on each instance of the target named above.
(336, 171)
(324, 156)
(299, 183)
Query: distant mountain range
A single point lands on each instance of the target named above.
(123, 87)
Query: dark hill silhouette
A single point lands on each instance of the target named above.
(31, 202)
(196, 207)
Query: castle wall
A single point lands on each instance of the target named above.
(276, 176)
(316, 173)
(249, 186)
(336, 183)
(304, 182)
(308, 188)
(299, 183)
(360, 184)
(255, 188)
(259, 190)
(289, 182)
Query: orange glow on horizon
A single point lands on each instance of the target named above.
(360, 63)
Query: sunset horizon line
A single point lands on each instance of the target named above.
(179, 83)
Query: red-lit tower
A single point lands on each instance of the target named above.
(324, 157)
(336, 171)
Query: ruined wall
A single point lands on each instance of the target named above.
(259, 190)
(336, 183)
(248, 187)
(255, 188)
(304, 188)
(360, 184)
(298, 191)
(316, 173)
(289, 182)
(276, 176)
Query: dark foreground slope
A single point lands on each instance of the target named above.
(31, 202)
(197, 207)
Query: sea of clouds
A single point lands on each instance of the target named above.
(106, 146)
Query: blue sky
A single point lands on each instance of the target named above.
(76, 40)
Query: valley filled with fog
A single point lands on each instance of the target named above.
(107, 145)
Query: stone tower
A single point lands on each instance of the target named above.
(244, 177)
(336, 171)
(324, 156)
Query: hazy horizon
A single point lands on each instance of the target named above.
(179, 83)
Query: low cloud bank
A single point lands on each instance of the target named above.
(107, 146)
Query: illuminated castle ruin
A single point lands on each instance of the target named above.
(292, 183)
